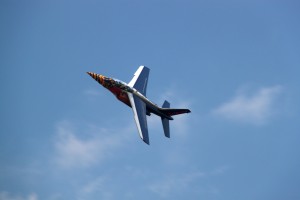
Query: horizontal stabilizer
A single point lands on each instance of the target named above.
(165, 121)
(173, 111)
(166, 126)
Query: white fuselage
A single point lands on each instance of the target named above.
(152, 107)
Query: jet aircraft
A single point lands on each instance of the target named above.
(133, 95)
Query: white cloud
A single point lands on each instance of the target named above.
(220, 170)
(75, 148)
(96, 187)
(33, 196)
(255, 109)
(73, 151)
(93, 185)
(6, 196)
(168, 185)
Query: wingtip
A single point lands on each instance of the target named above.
(147, 142)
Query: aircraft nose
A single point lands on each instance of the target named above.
(99, 78)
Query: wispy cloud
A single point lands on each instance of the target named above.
(6, 196)
(220, 170)
(93, 185)
(255, 109)
(96, 186)
(168, 185)
(75, 151)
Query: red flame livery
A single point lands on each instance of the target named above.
(133, 95)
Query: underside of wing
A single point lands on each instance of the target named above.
(139, 111)
(140, 80)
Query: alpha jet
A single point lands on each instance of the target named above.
(133, 95)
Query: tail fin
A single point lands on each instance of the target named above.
(165, 121)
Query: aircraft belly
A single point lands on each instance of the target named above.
(152, 109)
(124, 98)
(133, 95)
(121, 95)
(156, 111)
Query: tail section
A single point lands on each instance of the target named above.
(165, 121)
(166, 104)
(165, 109)
(174, 111)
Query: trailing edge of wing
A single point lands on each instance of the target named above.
(139, 111)
(140, 79)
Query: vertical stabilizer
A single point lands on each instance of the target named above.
(165, 122)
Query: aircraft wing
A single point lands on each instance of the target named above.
(140, 80)
(139, 111)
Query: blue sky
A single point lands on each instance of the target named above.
(235, 64)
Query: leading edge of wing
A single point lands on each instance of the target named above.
(140, 79)
(139, 111)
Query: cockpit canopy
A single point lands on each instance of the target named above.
(117, 80)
